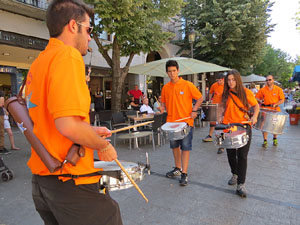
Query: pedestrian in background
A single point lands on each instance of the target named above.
(3, 150)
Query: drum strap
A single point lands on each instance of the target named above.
(249, 113)
(115, 174)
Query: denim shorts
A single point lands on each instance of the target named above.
(185, 143)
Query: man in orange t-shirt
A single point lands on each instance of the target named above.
(270, 97)
(215, 94)
(177, 98)
(58, 100)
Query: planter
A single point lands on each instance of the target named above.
(294, 118)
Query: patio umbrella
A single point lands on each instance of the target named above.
(253, 78)
(186, 66)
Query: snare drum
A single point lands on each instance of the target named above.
(210, 112)
(116, 178)
(235, 139)
(176, 131)
(271, 121)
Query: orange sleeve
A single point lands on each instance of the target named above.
(280, 94)
(67, 89)
(212, 88)
(250, 97)
(196, 94)
(259, 94)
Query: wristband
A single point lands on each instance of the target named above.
(104, 149)
(195, 111)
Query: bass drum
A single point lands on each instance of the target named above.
(271, 121)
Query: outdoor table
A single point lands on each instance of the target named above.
(137, 119)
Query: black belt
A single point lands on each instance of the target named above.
(114, 173)
(270, 105)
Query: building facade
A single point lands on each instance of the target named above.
(23, 35)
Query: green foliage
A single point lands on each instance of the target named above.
(230, 33)
(275, 62)
(134, 22)
(135, 27)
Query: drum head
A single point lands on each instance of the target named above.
(173, 126)
(112, 166)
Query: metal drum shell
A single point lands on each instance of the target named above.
(136, 171)
(236, 139)
(211, 112)
(176, 133)
(271, 121)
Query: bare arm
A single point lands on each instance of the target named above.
(83, 134)
(195, 107)
(255, 115)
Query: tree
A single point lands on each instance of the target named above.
(277, 63)
(231, 33)
(134, 26)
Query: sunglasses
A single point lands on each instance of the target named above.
(269, 79)
(89, 30)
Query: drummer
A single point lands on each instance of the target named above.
(237, 99)
(215, 95)
(177, 98)
(270, 97)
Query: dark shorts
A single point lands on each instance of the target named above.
(65, 203)
(185, 144)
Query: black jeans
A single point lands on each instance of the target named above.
(237, 159)
(65, 203)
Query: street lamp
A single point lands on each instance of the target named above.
(192, 36)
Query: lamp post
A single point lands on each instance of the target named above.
(191, 37)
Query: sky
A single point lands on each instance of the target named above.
(285, 36)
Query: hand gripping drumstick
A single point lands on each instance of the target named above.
(131, 180)
(183, 119)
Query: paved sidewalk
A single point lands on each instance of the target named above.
(273, 181)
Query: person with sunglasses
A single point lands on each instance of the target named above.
(236, 102)
(270, 97)
(59, 104)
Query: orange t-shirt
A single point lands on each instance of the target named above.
(178, 99)
(56, 88)
(232, 113)
(270, 96)
(217, 90)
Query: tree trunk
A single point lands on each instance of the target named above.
(118, 78)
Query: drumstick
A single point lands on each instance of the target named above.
(182, 119)
(131, 180)
(132, 126)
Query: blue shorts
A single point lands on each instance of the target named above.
(185, 143)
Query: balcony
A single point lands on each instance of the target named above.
(30, 8)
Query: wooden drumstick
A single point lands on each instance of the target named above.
(183, 119)
(133, 126)
(131, 180)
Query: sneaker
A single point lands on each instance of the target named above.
(265, 144)
(220, 150)
(275, 142)
(241, 190)
(4, 151)
(175, 172)
(184, 179)
(207, 139)
(233, 180)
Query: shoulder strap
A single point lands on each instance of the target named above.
(240, 108)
